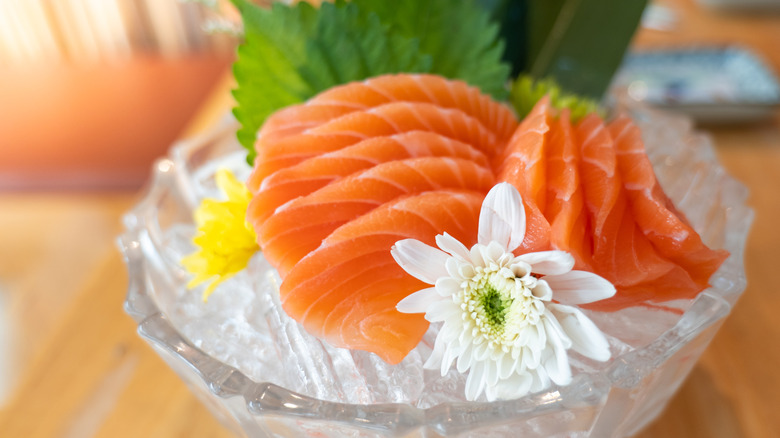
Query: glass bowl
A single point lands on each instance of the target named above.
(653, 350)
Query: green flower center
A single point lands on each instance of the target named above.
(494, 305)
(497, 307)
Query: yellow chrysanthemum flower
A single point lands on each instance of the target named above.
(225, 239)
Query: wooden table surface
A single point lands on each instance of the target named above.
(81, 370)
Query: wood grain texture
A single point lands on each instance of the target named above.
(87, 374)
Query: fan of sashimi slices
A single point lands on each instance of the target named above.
(342, 177)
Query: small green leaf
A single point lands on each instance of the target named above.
(527, 91)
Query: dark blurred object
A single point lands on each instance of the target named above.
(579, 43)
(712, 85)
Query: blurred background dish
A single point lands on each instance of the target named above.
(742, 5)
(712, 85)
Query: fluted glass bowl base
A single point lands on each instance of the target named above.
(263, 376)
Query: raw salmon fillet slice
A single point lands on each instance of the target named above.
(603, 194)
(385, 120)
(373, 92)
(345, 291)
(300, 226)
(620, 253)
(564, 208)
(663, 225)
(522, 163)
(319, 171)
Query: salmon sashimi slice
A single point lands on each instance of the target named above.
(666, 228)
(301, 225)
(621, 252)
(385, 120)
(373, 92)
(346, 290)
(643, 273)
(522, 163)
(318, 171)
(296, 119)
(564, 208)
(603, 194)
(636, 261)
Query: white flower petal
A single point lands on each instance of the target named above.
(586, 338)
(452, 266)
(554, 360)
(421, 261)
(520, 268)
(434, 360)
(542, 291)
(579, 287)
(465, 359)
(453, 246)
(541, 380)
(446, 311)
(481, 351)
(502, 218)
(466, 271)
(465, 338)
(447, 359)
(553, 329)
(516, 386)
(535, 337)
(548, 262)
(447, 286)
(475, 254)
(492, 252)
(531, 358)
(420, 301)
(506, 366)
(490, 393)
(491, 373)
(451, 331)
(475, 382)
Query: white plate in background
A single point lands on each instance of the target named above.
(711, 85)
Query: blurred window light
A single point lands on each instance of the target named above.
(88, 31)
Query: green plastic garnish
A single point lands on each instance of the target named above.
(291, 53)
(526, 91)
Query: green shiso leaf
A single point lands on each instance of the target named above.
(291, 53)
(458, 34)
(526, 92)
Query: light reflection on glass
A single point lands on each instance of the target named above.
(550, 397)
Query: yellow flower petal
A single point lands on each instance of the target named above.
(225, 241)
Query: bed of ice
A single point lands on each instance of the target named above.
(243, 325)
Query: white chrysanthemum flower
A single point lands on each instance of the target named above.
(505, 317)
